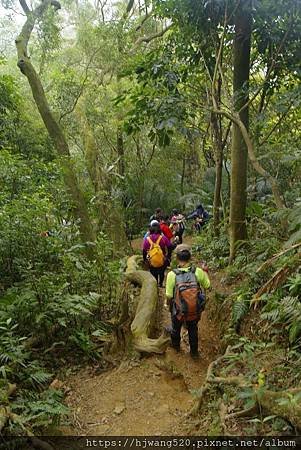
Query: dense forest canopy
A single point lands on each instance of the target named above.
(110, 109)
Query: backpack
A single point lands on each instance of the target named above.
(189, 300)
(180, 221)
(155, 254)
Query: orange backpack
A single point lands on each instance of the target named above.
(189, 300)
(155, 254)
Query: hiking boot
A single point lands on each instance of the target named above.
(195, 355)
(177, 348)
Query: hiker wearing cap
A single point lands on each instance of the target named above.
(163, 227)
(152, 224)
(157, 215)
(156, 252)
(185, 298)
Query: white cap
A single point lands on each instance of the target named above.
(154, 222)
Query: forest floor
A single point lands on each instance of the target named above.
(148, 396)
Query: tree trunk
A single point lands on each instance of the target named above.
(239, 154)
(235, 117)
(120, 152)
(52, 125)
(109, 215)
(183, 174)
(146, 310)
(218, 156)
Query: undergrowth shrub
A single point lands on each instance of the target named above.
(55, 303)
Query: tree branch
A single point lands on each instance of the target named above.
(151, 37)
(234, 117)
(51, 124)
(72, 108)
(276, 125)
(25, 6)
(145, 18)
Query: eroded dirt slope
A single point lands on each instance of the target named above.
(143, 397)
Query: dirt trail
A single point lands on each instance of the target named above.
(142, 397)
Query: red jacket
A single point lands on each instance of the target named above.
(166, 230)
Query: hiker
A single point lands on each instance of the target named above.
(157, 215)
(178, 225)
(185, 298)
(164, 226)
(157, 252)
(200, 216)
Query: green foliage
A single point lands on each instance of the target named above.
(294, 218)
(213, 249)
(240, 309)
(34, 406)
(38, 410)
(286, 313)
(102, 83)
(294, 285)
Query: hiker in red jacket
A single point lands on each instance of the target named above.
(165, 228)
(156, 252)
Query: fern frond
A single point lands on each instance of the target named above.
(240, 309)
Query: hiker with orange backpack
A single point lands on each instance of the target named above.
(156, 252)
(185, 298)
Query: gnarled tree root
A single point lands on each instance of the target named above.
(146, 310)
(206, 386)
(280, 403)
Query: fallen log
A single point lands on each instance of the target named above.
(145, 315)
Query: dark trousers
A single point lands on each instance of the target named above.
(192, 327)
(158, 273)
(180, 233)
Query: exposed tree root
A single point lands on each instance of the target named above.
(206, 386)
(234, 381)
(281, 403)
(222, 411)
(145, 314)
(249, 412)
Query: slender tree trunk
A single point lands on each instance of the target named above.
(183, 174)
(52, 125)
(120, 152)
(109, 215)
(239, 153)
(218, 156)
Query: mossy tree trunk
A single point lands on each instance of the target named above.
(55, 132)
(239, 153)
(145, 314)
(218, 156)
